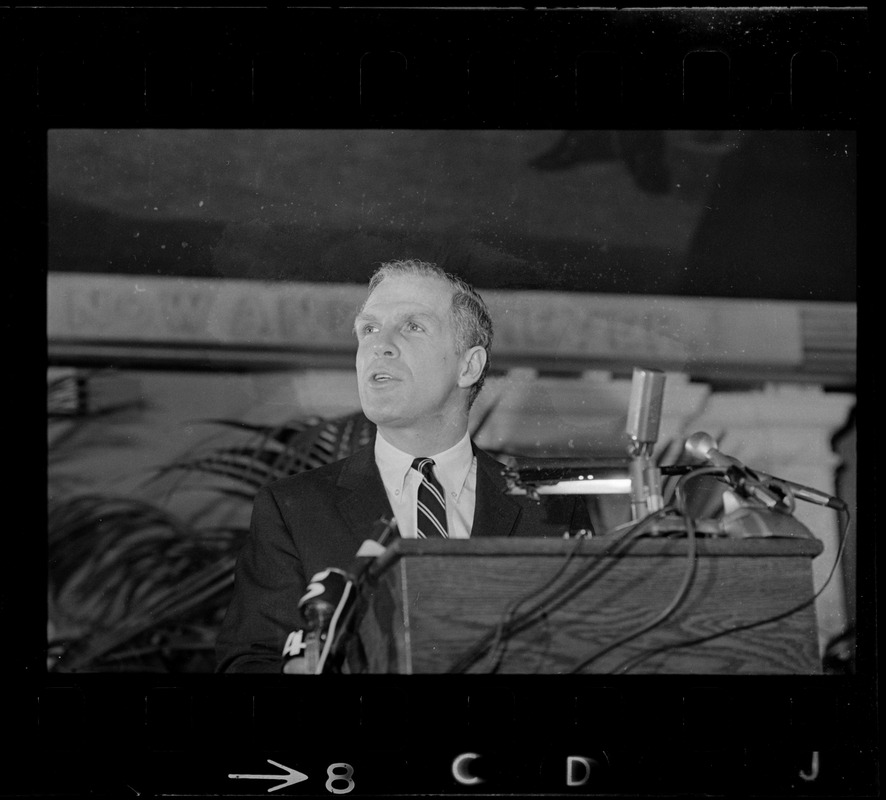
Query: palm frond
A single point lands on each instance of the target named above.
(135, 584)
(273, 452)
(194, 596)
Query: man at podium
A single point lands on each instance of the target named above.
(423, 347)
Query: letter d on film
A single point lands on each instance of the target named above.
(576, 764)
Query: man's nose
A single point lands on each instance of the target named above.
(384, 345)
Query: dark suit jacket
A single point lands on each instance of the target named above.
(318, 519)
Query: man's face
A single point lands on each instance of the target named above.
(408, 370)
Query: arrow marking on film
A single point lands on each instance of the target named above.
(293, 776)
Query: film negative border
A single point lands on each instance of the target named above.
(518, 67)
(555, 68)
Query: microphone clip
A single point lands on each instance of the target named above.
(751, 487)
(646, 490)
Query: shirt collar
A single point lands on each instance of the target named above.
(451, 467)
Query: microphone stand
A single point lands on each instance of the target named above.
(646, 492)
(644, 415)
(330, 610)
(361, 574)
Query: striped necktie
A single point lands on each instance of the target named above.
(431, 515)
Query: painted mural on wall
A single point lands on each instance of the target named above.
(739, 214)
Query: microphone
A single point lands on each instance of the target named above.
(324, 594)
(701, 446)
(644, 417)
(644, 406)
(301, 653)
(329, 596)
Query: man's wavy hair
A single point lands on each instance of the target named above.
(470, 315)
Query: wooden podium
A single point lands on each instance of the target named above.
(435, 600)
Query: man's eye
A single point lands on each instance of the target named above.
(414, 326)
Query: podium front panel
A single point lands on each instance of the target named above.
(748, 608)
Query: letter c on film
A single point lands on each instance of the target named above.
(460, 772)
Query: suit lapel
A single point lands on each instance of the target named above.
(363, 498)
(495, 514)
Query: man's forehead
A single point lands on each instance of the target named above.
(420, 293)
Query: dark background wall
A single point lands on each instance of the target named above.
(748, 214)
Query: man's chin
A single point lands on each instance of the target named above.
(380, 415)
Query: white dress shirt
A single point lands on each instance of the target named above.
(455, 468)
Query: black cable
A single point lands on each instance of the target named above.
(525, 620)
(581, 580)
(499, 645)
(631, 663)
(685, 584)
(476, 652)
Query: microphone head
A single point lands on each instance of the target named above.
(324, 592)
(699, 445)
(645, 405)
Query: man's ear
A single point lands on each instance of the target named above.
(473, 362)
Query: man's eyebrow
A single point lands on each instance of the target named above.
(423, 315)
(406, 315)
